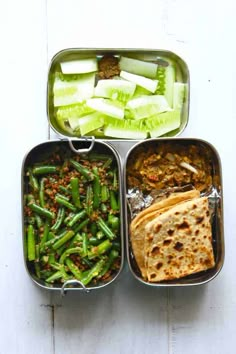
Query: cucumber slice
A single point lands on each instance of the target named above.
(72, 111)
(146, 106)
(90, 122)
(148, 84)
(140, 91)
(106, 106)
(161, 75)
(81, 66)
(126, 129)
(163, 123)
(120, 90)
(170, 78)
(179, 94)
(75, 91)
(138, 67)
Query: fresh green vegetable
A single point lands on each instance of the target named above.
(170, 76)
(146, 106)
(118, 90)
(31, 243)
(148, 84)
(129, 128)
(74, 183)
(42, 170)
(163, 123)
(72, 111)
(106, 106)
(138, 67)
(74, 91)
(179, 94)
(80, 66)
(41, 211)
(88, 106)
(90, 122)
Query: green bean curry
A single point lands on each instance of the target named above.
(72, 218)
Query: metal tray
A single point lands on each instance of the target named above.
(215, 197)
(79, 146)
(182, 75)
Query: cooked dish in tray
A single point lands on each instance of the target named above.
(170, 214)
(72, 216)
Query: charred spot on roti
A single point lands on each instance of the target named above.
(207, 262)
(197, 232)
(183, 225)
(170, 232)
(167, 242)
(207, 213)
(153, 275)
(194, 206)
(155, 251)
(178, 246)
(199, 219)
(158, 227)
(159, 265)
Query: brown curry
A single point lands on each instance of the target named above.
(169, 165)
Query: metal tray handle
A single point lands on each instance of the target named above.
(82, 151)
(72, 282)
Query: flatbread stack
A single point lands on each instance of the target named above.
(172, 238)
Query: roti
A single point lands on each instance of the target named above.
(139, 240)
(181, 241)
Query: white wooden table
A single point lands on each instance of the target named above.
(125, 317)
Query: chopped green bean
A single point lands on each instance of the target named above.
(31, 243)
(89, 200)
(74, 183)
(33, 181)
(42, 170)
(99, 249)
(83, 170)
(113, 255)
(41, 193)
(105, 228)
(41, 211)
(72, 267)
(96, 188)
(76, 218)
(59, 219)
(104, 193)
(65, 203)
(94, 272)
(63, 239)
